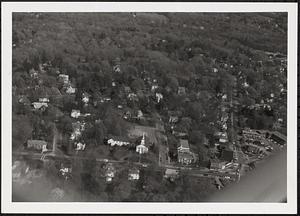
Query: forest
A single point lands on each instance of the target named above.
(209, 54)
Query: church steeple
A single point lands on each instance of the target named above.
(143, 139)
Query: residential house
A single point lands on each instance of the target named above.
(223, 138)
(134, 174)
(79, 146)
(140, 114)
(110, 172)
(78, 127)
(142, 148)
(36, 144)
(132, 97)
(173, 119)
(171, 174)
(179, 134)
(40, 105)
(75, 113)
(70, 90)
(44, 100)
(154, 87)
(23, 100)
(181, 91)
(63, 78)
(127, 115)
(33, 73)
(117, 141)
(117, 68)
(127, 90)
(85, 97)
(66, 170)
(159, 97)
(44, 149)
(215, 70)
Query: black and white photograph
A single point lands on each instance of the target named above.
(151, 106)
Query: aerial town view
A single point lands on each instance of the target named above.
(144, 107)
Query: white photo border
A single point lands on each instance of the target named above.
(140, 207)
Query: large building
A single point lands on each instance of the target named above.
(185, 156)
(36, 144)
(278, 138)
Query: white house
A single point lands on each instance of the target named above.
(64, 78)
(154, 87)
(159, 96)
(85, 98)
(132, 96)
(80, 146)
(113, 142)
(245, 84)
(39, 105)
(75, 113)
(109, 173)
(70, 90)
(215, 70)
(140, 114)
(142, 149)
(134, 174)
(43, 100)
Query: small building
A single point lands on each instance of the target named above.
(79, 146)
(154, 87)
(180, 134)
(173, 119)
(75, 113)
(33, 73)
(70, 90)
(117, 68)
(110, 172)
(127, 90)
(171, 174)
(85, 97)
(44, 100)
(36, 144)
(63, 78)
(215, 70)
(40, 105)
(78, 127)
(140, 114)
(133, 174)
(23, 100)
(181, 91)
(117, 141)
(66, 170)
(132, 97)
(142, 148)
(159, 97)
(127, 115)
